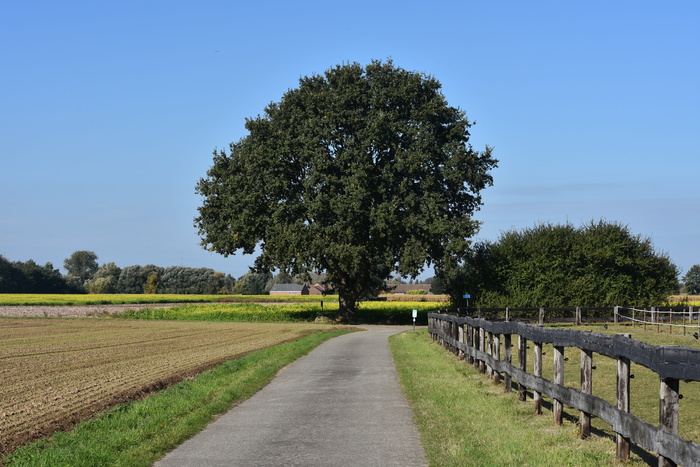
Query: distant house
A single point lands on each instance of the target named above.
(403, 288)
(289, 289)
(320, 289)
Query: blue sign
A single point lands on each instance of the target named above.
(466, 296)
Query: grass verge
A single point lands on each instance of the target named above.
(140, 432)
(463, 419)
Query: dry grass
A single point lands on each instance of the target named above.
(683, 299)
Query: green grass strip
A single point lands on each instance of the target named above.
(463, 419)
(140, 432)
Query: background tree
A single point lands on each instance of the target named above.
(184, 280)
(10, 277)
(253, 283)
(30, 277)
(81, 266)
(105, 280)
(131, 280)
(691, 280)
(152, 283)
(598, 264)
(358, 173)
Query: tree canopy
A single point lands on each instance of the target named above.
(357, 173)
(691, 280)
(598, 264)
(81, 266)
(29, 277)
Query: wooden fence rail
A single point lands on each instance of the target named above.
(478, 340)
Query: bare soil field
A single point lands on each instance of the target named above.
(57, 372)
(75, 311)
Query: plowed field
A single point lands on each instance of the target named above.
(56, 372)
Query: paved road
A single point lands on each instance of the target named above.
(341, 405)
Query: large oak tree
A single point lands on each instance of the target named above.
(358, 173)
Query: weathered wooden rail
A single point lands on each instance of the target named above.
(479, 341)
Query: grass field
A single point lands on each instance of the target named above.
(104, 299)
(367, 313)
(644, 398)
(463, 419)
(58, 372)
(644, 385)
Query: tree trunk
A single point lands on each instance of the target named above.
(346, 309)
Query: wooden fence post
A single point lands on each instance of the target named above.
(522, 364)
(668, 412)
(497, 356)
(537, 395)
(578, 315)
(558, 379)
(460, 333)
(477, 344)
(586, 388)
(541, 321)
(623, 402)
(616, 314)
(489, 351)
(455, 336)
(469, 331)
(508, 350)
(482, 347)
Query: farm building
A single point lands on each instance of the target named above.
(289, 289)
(297, 289)
(320, 289)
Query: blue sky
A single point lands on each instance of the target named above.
(110, 111)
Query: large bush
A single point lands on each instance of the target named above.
(597, 264)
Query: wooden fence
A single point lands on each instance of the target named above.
(479, 341)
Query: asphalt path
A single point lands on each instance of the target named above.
(340, 405)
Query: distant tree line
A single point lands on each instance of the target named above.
(84, 275)
(597, 264)
(29, 277)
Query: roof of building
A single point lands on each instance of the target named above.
(287, 287)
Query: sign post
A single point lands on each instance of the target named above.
(467, 296)
(415, 314)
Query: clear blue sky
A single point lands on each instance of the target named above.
(110, 111)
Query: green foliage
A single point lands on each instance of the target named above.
(253, 283)
(357, 173)
(133, 279)
(598, 264)
(691, 280)
(29, 277)
(81, 266)
(152, 283)
(183, 280)
(105, 280)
